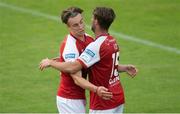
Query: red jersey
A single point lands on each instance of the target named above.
(70, 49)
(103, 55)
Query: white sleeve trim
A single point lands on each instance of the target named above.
(70, 52)
(91, 55)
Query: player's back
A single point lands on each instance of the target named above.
(104, 73)
(70, 49)
(102, 58)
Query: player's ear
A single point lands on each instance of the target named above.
(95, 21)
(69, 28)
(67, 25)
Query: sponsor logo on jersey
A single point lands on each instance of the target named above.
(85, 58)
(89, 52)
(69, 55)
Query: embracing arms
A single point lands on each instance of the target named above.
(75, 66)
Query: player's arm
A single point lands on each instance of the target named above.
(69, 67)
(56, 59)
(129, 69)
(85, 84)
(42, 66)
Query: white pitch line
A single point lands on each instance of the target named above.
(146, 42)
(118, 34)
(32, 12)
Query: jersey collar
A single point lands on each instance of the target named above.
(104, 34)
(77, 38)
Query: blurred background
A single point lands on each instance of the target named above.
(147, 31)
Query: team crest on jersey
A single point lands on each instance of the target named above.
(69, 55)
(89, 52)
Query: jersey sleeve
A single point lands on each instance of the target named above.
(69, 51)
(70, 55)
(61, 51)
(91, 54)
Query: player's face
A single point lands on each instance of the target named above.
(76, 25)
(93, 24)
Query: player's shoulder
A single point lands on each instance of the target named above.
(63, 42)
(70, 50)
(97, 43)
(100, 39)
(110, 37)
(68, 41)
(87, 35)
(106, 39)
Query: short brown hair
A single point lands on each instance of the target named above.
(105, 16)
(70, 12)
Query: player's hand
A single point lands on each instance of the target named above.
(56, 59)
(131, 70)
(44, 64)
(103, 93)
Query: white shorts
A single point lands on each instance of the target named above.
(66, 106)
(118, 109)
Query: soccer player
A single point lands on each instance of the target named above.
(102, 57)
(70, 97)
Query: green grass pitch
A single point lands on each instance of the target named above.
(30, 31)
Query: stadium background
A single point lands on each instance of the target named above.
(147, 32)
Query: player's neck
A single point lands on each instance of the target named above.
(79, 37)
(100, 32)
